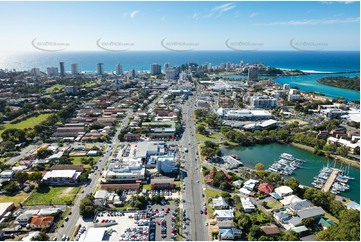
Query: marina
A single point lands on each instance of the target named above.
(332, 179)
(252, 155)
(286, 165)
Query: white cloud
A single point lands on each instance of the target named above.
(331, 2)
(215, 12)
(312, 22)
(135, 12)
(254, 14)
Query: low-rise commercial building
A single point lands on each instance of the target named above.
(61, 177)
(130, 172)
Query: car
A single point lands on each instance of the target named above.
(205, 212)
(55, 239)
(201, 212)
(66, 219)
(206, 224)
(198, 181)
(70, 212)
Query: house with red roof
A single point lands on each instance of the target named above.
(40, 222)
(265, 188)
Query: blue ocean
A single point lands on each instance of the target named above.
(317, 61)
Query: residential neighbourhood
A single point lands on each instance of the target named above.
(143, 160)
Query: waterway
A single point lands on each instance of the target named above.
(308, 83)
(267, 154)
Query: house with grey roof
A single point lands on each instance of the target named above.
(100, 197)
(219, 203)
(311, 212)
(298, 205)
(224, 215)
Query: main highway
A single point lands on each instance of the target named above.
(193, 197)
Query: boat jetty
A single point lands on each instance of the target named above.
(332, 179)
(286, 164)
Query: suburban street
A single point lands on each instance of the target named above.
(103, 162)
(194, 189)
(23, 153)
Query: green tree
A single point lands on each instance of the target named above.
(21, 177)
(208, 152)
(292, 183)
(308, 222)
(8, 145)
(84, 176)
(254, 233)
(43, 153)
(244, 222)
(35, 177)
(11, 187)
(20, 135)
(342, 151)
(259, 167)
(86, 208)
(290, 236)
(201, 129)
(274, 177)
(348, 228)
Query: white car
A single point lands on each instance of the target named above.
(206, 224)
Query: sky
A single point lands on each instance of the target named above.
(119, 26)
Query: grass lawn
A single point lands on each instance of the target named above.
(2, 160)
(262, 217)
(177, 184)
(27, 123)
(16, 199)
(327, 215)
(300, 122)
(55, 88)
(303, 147)
(76, 160)
(273, 205)
(146, 186)
(46, 195)
(200, 137)
(90, 84)
(212, 193)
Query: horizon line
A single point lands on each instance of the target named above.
(161, 50)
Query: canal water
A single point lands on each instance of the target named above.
(267, 154)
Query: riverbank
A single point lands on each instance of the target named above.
(351, 83)
(338, 159)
